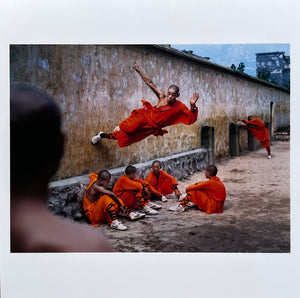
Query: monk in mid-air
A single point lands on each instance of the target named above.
(37, 144)
(209, 196)
(135, 193)
(150, 120)
(164, 183)
(101, 205)
(259, 130)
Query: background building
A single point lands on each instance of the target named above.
(274, 67)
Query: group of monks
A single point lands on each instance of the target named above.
(37, 145)
(131, 194)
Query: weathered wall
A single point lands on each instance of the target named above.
(97, 88)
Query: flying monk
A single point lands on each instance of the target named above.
(259, 130)
(162, 182)
(209, 196)
(150, 120)
(135, 192)
(101, 205)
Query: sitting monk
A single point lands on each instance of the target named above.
(36, 143)
(209, 195)
(259, 130)
(162, 182)
(150, 120)
(135, 192)
(101, 205)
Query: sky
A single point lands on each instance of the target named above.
(228, 54)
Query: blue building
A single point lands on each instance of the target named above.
(274, 67)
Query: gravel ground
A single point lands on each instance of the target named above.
(256, 216)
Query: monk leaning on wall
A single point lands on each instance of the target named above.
(101, 205)
(150, 120)
(162, 182)
(36, 144)
(135, 192)
(259, 130)
(209, 196)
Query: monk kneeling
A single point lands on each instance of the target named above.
(209, 195)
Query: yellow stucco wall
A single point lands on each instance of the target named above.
(97, 88)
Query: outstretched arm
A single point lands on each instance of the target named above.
(109, 193)
(245, 125)
(149, 82)
(243, 121)
(194, 99)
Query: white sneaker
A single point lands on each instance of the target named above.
(118, 225)
(269, 156)
(154, 206)
(149, 210)
(164, 199)
(177, 208)
(190, 204)
(96, 138)
(171, 196)
(136, 215)
(117, 128)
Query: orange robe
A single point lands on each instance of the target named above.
(132, 191)
(260, 131)
(209, 195)
(165, 184)
(96, 212)
(150, 120)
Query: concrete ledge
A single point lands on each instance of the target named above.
(180, 165)
(65, 196)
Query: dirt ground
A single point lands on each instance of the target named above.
(256, 216)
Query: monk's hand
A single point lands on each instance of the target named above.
(136, 67)
(194, 99)
(177, 195)
(148, 193)
(122, 209)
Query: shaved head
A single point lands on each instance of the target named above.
(212, 170)
(36, 141)
(158, 162)
(104, 175)
(130, 170)
(175, 88)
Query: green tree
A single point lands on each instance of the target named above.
(264, 75)
(241, 67)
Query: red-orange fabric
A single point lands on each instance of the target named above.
(259, 130)
(150, 120)
(96, 212)
(164, 184)
(128, 190)
(209, 195)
